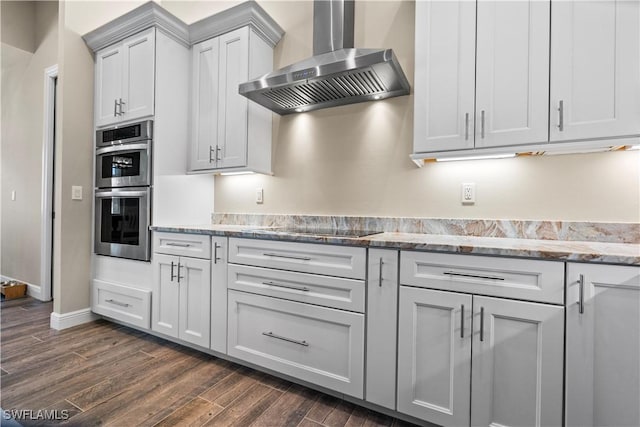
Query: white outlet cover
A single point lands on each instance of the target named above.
(76, 192)
(259, 195)
(468, 190)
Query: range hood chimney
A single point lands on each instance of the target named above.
(336, 74)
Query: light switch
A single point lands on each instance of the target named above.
(76, 192)
(259, 195)
(13, 195)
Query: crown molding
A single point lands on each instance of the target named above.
(151, 14)
(247, 13)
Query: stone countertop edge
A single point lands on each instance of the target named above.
(556, 250)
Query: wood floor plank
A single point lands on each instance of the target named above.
(306, 422)
(358, 417)
(227, 390)
(376, 419)
(290, 408)
(249, 418)
(195, 413)
(340, 414)
(241, 405)
(322, 408)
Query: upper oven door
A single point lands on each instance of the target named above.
(123, 166)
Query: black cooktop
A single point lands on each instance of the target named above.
(325, 232)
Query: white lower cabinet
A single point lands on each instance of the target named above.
(181, 298)
(603, 345)
(219, 294)
(320, 345)
(466, 359)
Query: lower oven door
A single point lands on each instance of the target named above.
(124, 165)
(122, 222)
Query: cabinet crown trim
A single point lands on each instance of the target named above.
(247, 13)
(148, 15)
(151, 14)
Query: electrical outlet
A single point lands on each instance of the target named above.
(468, 193)
(76, 192)
(259, 195)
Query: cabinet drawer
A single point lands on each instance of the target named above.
(335, 292)
(341, 261)
(123, 303)
(320, 345)
(525, 279)
(191, 245)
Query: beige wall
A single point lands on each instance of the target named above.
(22, 131)
(354, 160)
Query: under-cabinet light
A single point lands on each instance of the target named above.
(634, 147)
(236, 173)
(488, 156)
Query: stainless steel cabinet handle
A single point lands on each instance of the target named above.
(211, 160)
(301, 288)
(121, 103)
(380, 275)
(121, 304)
(561, 115)
(302, 258)
(453, 273)
(215, 253)
(581, 294)
(466, 126)
(179, 276)
(272, 335)
(218, 149)
(462, 321)
(173, 276)
(481, 323)
(115, 108)
(482, 124)
(180, 245)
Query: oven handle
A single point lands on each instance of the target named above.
(122, 148)
(120, 193)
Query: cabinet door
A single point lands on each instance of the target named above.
(232, 107)
(138, 81)
(108, 85)
(603, 346)
(204, 110)
(445, 75)
(517, 363)
(166, 294)
(434, 355)
(595, 64)
(512, 73)
(382, 314)
(195, 303)
(219, 294)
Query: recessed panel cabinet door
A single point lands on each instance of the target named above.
(219, 294)
(603, 345)
(232, 107)
(204, 112)
(512, 73)
(517, 363)
(195, 305)
(166, 295)
(138, 86)
(445, 74)
(434, 355)
(595, 64)
(108, 84)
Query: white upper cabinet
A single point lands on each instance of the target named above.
(485, 84)
(603, 345)
(445, 75)
(227, 132)
(595, 69)
(125, 79)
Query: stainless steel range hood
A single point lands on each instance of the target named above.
(336, 74)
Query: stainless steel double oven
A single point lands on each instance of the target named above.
(123, 190)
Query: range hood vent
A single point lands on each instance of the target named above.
(337, 74)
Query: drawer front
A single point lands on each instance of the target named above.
(330, 260)
(191, 245)
(334, 292)
(320, 345)
(123, 303)
(525, 279)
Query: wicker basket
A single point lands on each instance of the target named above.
(13, 290)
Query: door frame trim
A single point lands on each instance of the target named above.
(48, 140)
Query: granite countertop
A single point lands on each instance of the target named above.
(582, 251)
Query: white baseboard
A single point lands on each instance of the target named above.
(71, 319)
(34, 291)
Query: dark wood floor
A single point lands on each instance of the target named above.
(106, 374)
